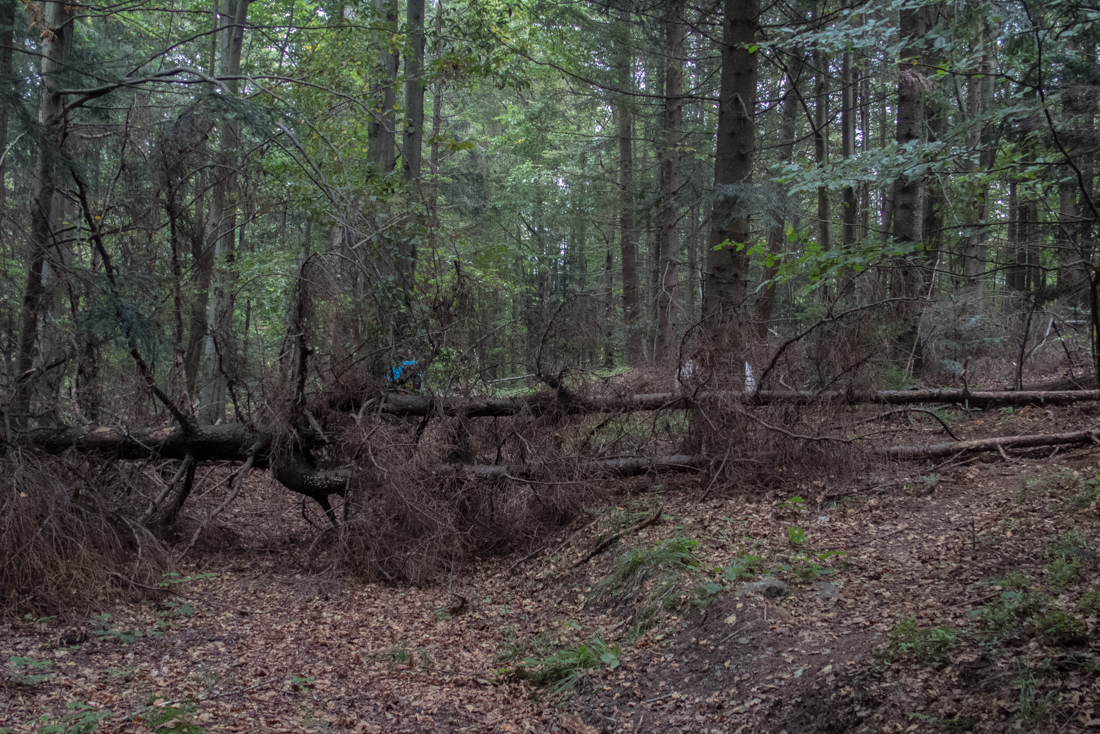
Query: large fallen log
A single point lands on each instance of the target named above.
(227, 442)
(569, 404)
(238, 443)
(234, 442)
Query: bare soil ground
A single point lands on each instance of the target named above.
(958, 597)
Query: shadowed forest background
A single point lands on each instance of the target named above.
(757, 242)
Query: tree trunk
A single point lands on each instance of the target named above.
(222, 228)
(628, 236)
(381, 147)
(7, 81)
(979, 100)
(777, 216)
(54, 45)
(908, 210)
(727, 256)
(848, 111)
(414, 137)
(669, 221)
(821, 147)
(1015, 274)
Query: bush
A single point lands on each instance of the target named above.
(62, 549)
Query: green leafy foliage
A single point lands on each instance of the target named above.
(743, 568)
(106, 631)
(28, 671)
(930, 645)
(566, 669)
(161, 717)
(81, 718)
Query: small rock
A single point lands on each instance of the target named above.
(825, 590)
(767, 587)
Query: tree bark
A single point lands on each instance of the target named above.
(412, 149)
(777, 216)
(979, 100)
(222, 229)
(671, 181)
(821, 147)
(848, 111)
(381, 146)
(908, 210)
(55, 42)
(727, 256)
(7, 80)
(628, 236)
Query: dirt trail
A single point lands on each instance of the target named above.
(264, 646)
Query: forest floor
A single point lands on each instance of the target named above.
(962, 597)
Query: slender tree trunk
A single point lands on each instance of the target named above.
(1015, 274)
(54, 45)
(933, 199)
(628, 236)
(609, 306)
(777, 216)
(848, 111)
(1036, 279)
(222, 229)
(821, 147)
(7, 81)
(979, 100)
(668, 227)
(414, 135)
(727, 258)
(437, 125)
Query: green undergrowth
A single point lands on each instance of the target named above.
(1033, 629)
(658, 585)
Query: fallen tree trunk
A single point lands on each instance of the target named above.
(565, 403)
(238, 443)
(233, 442)
(620, 467)
(635, 466)
(978, 445)
(227, 442)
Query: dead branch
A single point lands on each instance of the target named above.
(954, 448)
(608, 542)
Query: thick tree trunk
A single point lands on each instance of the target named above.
(727, 256)
(381, 146)
(907, 281)
(669, 218)
(234, 442)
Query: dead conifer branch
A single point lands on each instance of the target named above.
(608, 542)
